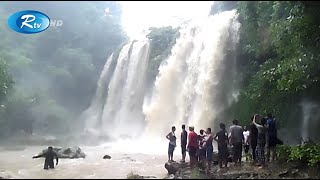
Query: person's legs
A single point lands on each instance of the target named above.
(246, 151)
(253, 148)
(172, 150)
(46, 166)
(209, 157)
(220, 155)
(234, 154)
(271, 148)
(274, 155)
(268, 153)
(169, 153)
(192, 154)
(183, 151)
(239, 152)
(51, 165)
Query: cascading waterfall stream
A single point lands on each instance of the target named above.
(188, 87)
(117, 104)
(194, 84)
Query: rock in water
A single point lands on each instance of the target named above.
(70, 153)
(106, 157)
(172, 167)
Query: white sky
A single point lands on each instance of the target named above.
(139, 15)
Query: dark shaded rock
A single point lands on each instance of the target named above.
(70, 153)
(173, 167)
(149, 177)
(294, 172)
(128, 159)
(137, 176)
(284, 173)
(106, 157)
(171, 176)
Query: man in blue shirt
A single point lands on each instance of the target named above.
(272, 137)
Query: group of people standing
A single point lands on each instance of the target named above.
(199, 147)
(261, 134)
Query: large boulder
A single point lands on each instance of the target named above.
(106, 157)
(70, 153)
(172, 167)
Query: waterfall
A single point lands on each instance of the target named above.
(310, 120)
(117, 104)
(195, 84)
(190, 85)
(93, 114)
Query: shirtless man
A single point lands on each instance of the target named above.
(49, 155)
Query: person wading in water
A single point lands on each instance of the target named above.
(49, 155)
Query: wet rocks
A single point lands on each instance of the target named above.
(68, 153)
(137, 176)
(172, 167)
(106, 157)
(128, 159)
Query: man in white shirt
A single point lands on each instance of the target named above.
(246, 134)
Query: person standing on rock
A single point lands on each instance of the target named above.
(262, 130)
(236, 140)
(202, 148)
(253, 140)
(272, 137)
(246, 134)
(172, 143)
(209, 148)
(222, 139)
(49, 155)
(193, 146)
(184, 137)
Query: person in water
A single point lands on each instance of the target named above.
(246, 134)
(192, 146)
(236, 139)
(49, 155)
(172, 143)
(209, 148)
(184, 136)
(222, 139)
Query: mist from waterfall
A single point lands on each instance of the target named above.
(310, 120)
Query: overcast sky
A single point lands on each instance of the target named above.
(139, 15)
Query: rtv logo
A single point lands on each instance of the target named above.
(31, 22)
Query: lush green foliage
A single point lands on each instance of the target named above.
(55, 72)
(219, 6)
(278, 57)
(308, 153)
(161, 42)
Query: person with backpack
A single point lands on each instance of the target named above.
(272, 137)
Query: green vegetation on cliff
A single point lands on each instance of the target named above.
(278, 57)
(161, 42)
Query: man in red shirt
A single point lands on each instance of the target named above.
(193, 146)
